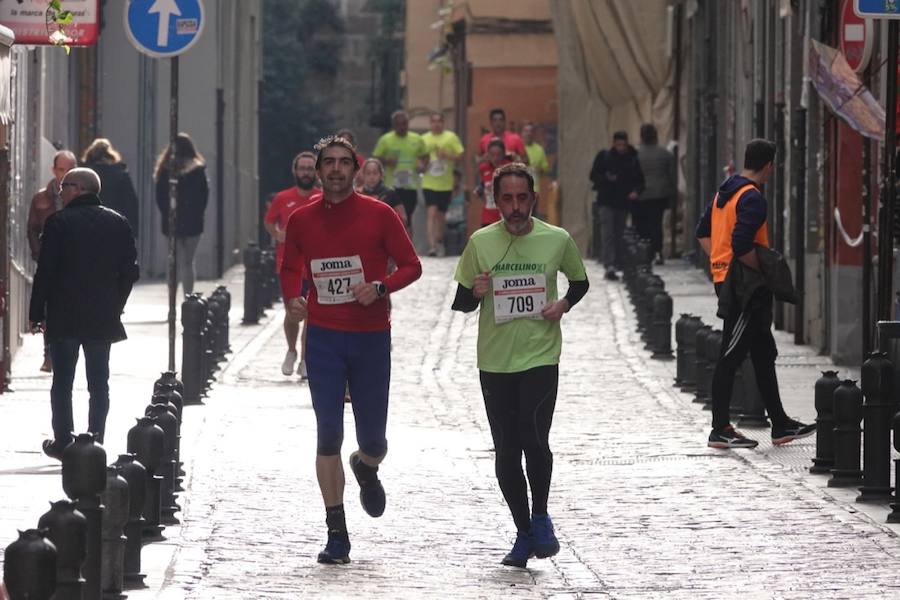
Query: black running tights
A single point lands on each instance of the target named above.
(520, 411)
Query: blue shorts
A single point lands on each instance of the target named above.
(362, 359)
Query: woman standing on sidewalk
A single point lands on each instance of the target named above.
(117, 188)
(193, 193)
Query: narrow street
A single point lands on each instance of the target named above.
(643, 509)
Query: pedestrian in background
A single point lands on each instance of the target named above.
(496, 157)
(537, 156)
(43, 204)
(86, 269)
(513, 143)
(399, 150)
(444, 149)
(617, 178)
(192, 196)
(660, 189)
(118, 189)
(373, 185)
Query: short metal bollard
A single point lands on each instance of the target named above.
(680, 344)
(226, 298)
(29, 567)
(136, 475)
(146, 440)
(84, 479)
(192, 319)
(878, 410)
(66, 527)
(661, 336)
(252, 258)
(166, 419)
(701, 392)
(713, 350)
(689, 379)
(644, 307)
(824, 401)
(848, 401)
(115, 517)
(753, 411)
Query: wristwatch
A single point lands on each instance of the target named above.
(380, 288)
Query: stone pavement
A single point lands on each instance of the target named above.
(643, 509)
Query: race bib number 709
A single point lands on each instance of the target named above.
(519, 297)
(333, 278)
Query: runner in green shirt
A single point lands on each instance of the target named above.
(399, 150)
(509, 269)
(444, 150)
(537, 158)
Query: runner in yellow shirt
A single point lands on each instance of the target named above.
(444, 150)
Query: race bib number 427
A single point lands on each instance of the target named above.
(519, 297)
(333, 278)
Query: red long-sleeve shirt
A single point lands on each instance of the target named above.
(330, 237)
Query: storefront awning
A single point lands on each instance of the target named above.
(7, 38)
(843, 92)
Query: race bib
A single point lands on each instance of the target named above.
(333, 278)
(519, 297)
(437, 167)
(402, 178)
(489, 195)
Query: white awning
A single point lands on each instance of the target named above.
(7, 38)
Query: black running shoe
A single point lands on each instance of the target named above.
(521, 551)
(371, 492)
(54, 449)
(793, 430)
(544, 537)
(337, 550)
(729, 438)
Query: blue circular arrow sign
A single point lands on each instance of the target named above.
(164, 28)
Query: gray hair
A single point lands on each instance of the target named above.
(84, 177)
(67, 154)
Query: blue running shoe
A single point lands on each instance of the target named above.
(545, 542)
(337, 550)
(371, 492)
(521, 551)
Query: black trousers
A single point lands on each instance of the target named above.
(743, 332)
(647, 217)
(520, 410)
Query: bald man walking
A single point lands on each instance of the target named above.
(86, 268)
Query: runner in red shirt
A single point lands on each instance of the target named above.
(496, 157)
(346, 240)
(283, 205)
(513, 142)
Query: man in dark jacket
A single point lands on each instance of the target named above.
(617, 178)
(86, 269)
(733, 225)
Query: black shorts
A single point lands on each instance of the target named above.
(409, 199)
(439, 199)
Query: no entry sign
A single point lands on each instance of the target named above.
(856, 35)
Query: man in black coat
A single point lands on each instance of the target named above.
(618, 180)
(87, 266)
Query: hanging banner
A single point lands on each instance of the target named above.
(29, 21)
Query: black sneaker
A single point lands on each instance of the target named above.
(611, 276)
(54, 449)
(729, 438)
(793, 430)
(371, 492)
(337, 550)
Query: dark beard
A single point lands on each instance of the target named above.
(305, 183)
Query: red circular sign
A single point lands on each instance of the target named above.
(855, 37)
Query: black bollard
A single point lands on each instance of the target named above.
(894, 516)
(169, 378)
(115, 517)
(878, 411)
(680, 343)
(701, 392)
(165, 418)
(84, 479)
(847, 416)
(135, 474)
(251, 284)
(661, 337)
(712, 352)
(66, 527)
(824, 400)
(217, 309)
(267, 271)
(146, 441)
(29, 567)
(226, 297)
(753, 411)
(192, 313)
(645, 307)
(689, 379)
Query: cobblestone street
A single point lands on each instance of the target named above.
(643, 509)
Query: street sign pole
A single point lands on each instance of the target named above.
(173, 202)
(886, 227)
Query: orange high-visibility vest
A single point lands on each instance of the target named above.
(723, 221)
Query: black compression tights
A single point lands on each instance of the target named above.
(520, 411)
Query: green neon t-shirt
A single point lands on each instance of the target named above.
(406, 150)
(537, 160)
(439, 173)
(518, 344)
